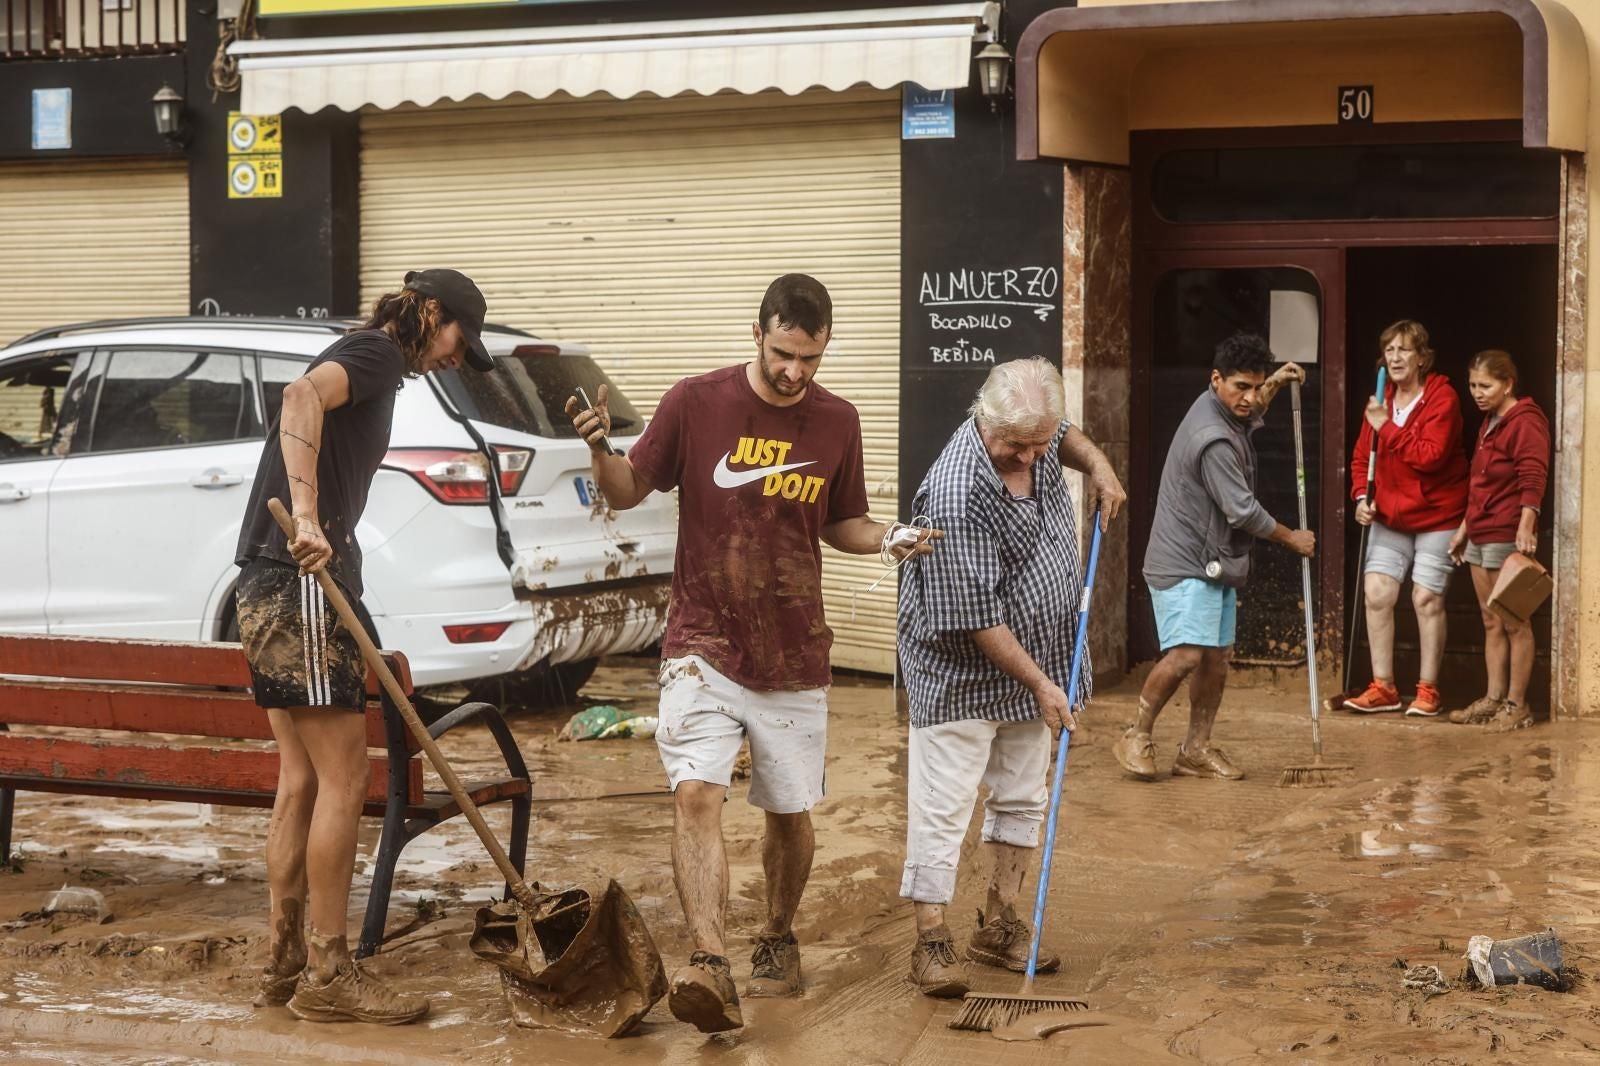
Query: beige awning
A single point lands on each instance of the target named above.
(930, 45)
(1088, 75)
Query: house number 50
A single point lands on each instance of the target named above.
(1355, 103)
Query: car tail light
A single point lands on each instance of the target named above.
(514, 463)
(523, 350)
(455, 476)
(478, 633)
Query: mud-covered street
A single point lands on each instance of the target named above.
(1210, 921)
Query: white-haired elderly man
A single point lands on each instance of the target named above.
(985, 635)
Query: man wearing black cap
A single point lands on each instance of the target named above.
(306, 669)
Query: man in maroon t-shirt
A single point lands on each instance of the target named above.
(767, 464)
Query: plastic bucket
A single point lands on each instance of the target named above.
(1534, 959)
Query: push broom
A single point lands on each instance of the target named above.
(1316, 774)
(987, 1011)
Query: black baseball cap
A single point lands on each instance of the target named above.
(465, 303)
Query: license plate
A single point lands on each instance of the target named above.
(588, 492)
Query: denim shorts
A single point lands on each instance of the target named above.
(1488, 556)
(1195, 611)
(1424, 556)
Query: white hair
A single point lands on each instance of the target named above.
(1019, 396)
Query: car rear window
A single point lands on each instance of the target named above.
(527, 390)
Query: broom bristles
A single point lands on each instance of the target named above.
(984, 1012)
(1317, 775)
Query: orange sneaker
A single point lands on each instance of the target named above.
(1427, 704)
(1380, 696)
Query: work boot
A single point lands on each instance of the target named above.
(1478, 712)
(275, 987)
(352, 995)
(1135, 752)
(1005, 941)
(775, 966)
(1512, 716)
(703, 995)
(1380, 696)
(1207, 762)
(1427, 704)
(934, 968)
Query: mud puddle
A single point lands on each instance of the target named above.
(1220, 922)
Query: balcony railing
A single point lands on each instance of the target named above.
(58, 29)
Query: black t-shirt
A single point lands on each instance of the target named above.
(354, 440)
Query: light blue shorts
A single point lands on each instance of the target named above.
(1195, 611)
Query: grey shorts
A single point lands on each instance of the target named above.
(1424, 556)
(1488, 556)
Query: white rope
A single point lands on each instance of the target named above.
(895, 535)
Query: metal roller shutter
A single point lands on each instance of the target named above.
(91, 240)
(648, 229)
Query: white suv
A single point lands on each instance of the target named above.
(126, 454)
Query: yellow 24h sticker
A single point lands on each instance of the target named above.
(255, 176)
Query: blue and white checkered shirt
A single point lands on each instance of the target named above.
(1003, 559)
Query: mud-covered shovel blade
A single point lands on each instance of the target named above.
(581, 960)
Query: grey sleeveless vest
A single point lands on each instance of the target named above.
(1190, 530)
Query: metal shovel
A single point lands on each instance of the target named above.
(582, 959)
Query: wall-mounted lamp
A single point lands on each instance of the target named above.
(168, 107)
(994, 73)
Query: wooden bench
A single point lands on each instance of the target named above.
(131, 689)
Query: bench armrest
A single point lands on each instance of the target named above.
(497, 725)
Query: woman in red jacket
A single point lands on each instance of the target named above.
(1420, 498)
(1510, 470)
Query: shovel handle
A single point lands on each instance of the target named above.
(374, 658)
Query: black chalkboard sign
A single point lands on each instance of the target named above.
(980, 271)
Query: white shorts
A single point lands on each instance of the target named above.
(946, 764)
(704, 717)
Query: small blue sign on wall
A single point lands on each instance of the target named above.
(52, 118)
(927, 114)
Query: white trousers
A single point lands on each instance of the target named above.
(947, 765)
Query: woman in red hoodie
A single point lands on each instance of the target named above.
(1510, 470)
(1420, 499)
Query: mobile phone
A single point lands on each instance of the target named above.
(583, 401)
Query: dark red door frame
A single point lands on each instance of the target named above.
(1328, 513)
(1316, 246)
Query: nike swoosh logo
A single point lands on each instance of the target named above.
(732, 479)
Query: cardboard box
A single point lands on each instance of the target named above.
(1521, 589)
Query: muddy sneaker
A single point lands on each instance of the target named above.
(1512, 716)
(934, 968)
(1379, 697)
(352, 995)
(274, 989)
(1135, 752)
(1478, 712)
(1207, 762)
(1427, 704)
(1004, 942)
(775, 966)
(703, 995)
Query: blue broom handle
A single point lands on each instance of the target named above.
(1061, 755)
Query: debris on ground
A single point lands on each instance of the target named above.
(1429, 980)
(590, 723)
(70, 899)
(1534, 959)
(643, 725)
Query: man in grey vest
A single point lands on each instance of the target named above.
(1207, 521)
